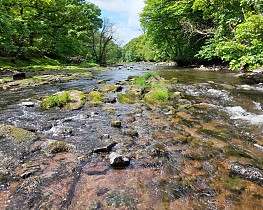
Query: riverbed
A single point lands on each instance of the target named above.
(203, 151)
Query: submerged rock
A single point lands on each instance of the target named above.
(247, 172)
(118, 161)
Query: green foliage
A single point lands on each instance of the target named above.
(162, 95)
(58, 100)
(142, 80)
(197, 30)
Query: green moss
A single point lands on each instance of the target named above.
(123, 98)
(57, 100)
(234, 184)
(157, 95)
(161, 95)
(72, 100)
(54, 146)
(18, 135)
(95, 96)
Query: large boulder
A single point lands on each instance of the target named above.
(72, 100)
(256, 75)
(17, 135)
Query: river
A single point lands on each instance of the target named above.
(204, 151)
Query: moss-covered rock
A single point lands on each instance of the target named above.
(124, 98)
(53, 146)
(95, 98)
(72, 100)
(17, 135)
(110, 88)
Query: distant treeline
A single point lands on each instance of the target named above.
(189, 31)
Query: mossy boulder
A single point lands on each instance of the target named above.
(54, 146)
(72, 100)
(110, 88)
(157, 96)
(17, 135)
(124, 98)
(95, 98)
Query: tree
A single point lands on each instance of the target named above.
(165, 24)
(44, 27)
(102, 40)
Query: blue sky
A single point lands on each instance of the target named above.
(124, 14)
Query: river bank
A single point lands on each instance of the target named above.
(197, 149)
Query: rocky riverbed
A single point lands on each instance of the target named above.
(130, 146)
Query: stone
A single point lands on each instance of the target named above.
(28, 104)
(100, 81)
(247, 172)
(116, 123)
(17, 135)
(107, 148)
(54, 146)
(19, 76)
(118, 161)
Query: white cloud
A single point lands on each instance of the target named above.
(126, 16)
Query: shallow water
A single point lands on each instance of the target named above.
(180, 160)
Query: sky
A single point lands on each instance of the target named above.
(124, 14)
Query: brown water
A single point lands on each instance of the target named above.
(180, 160)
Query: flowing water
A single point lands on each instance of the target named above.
(204, 151)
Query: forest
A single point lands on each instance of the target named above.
(61, 29)
(185, 31)
(201, 31)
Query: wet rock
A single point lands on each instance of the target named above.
(107, 148)
(28, 104)
(116, 123)
(111, 100)
(105, 136)
(110, 88)
(131, 132)
(247, 172)
(110, 110)
(256, 75)
(100, 81)
(53, 146)
(17, 135)
(175, 95)
(19, 76)
(118, 161)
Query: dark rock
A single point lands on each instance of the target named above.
(19, 76)
(107, 148)
(110, 100)
(118, 161)
(247, 172)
